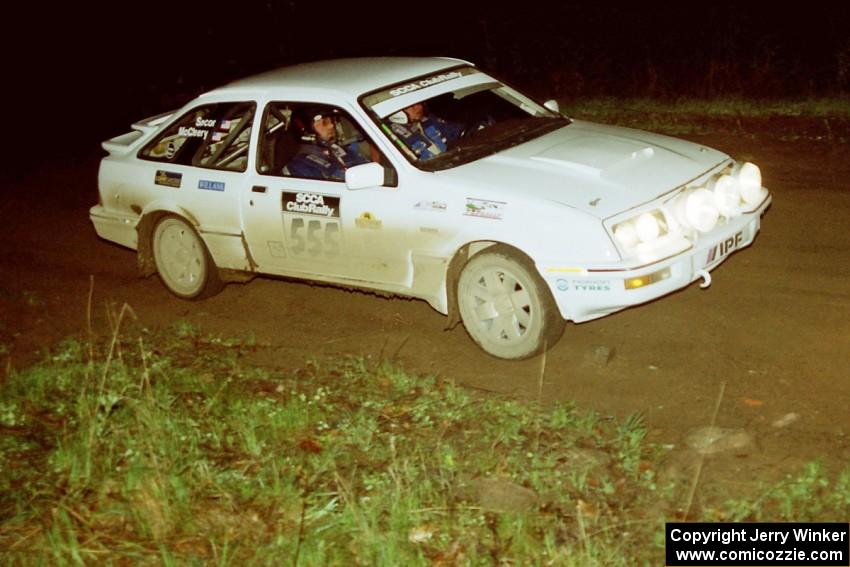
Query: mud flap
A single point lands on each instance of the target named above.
(452, 275)
(144, 251)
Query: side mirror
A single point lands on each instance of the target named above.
(364, 176)
(553, 105)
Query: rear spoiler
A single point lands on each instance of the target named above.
(120, 145)
(151, 123)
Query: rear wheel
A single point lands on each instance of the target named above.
(182, 260)
(506, 307)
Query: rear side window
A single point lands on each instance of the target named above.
(214, 136)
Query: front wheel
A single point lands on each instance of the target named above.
(182, 260)
(505, 306)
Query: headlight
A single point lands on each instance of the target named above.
(626, 234)
(647, 227)
(649, 236)
(643, 229)
(749, 179)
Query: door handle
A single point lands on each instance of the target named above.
(258, 189)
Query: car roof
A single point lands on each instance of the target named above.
(353, 76)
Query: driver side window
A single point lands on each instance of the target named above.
(312, 141)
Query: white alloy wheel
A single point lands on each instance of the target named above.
(505, 306)
(182, 260)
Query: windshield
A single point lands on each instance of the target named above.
(457, 116)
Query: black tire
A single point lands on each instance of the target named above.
(505, 306)
(182, 260)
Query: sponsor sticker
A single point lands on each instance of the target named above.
(168, 178)
(368, 220)
(310, 204)
(484, 208)
(436, 206)
(211, 185)
(720, 250)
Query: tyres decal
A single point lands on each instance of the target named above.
(583, 285)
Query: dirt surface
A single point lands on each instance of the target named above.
(768, 341)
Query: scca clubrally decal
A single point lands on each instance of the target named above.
(310, 204)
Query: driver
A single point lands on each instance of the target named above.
(423, 133)
(320, 156)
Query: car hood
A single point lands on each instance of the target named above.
(599, 169)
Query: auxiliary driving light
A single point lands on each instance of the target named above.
(700, 210)
(727, 196)
(749, 179)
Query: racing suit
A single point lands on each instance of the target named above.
(428, 137)
(323, 160)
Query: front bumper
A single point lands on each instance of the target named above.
(583, 294)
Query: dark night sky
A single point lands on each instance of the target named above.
(105, 67)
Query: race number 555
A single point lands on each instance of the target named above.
(314, 237)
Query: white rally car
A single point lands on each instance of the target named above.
(453, 187)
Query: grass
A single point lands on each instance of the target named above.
(701, 116)
(715, 107)
(168, 448)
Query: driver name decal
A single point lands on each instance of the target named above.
(310, 204)
(198, 130)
